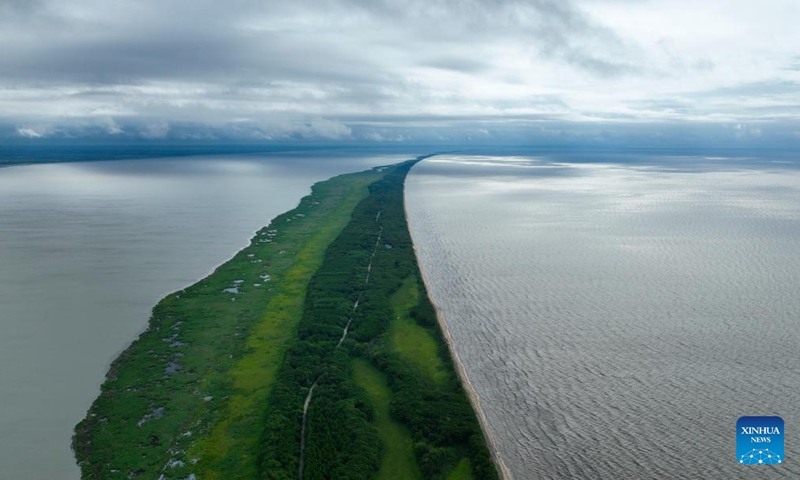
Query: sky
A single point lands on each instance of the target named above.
(402, 71)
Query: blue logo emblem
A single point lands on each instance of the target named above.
(759, 440)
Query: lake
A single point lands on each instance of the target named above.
(616, 314)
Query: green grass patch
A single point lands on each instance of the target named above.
(398, 461)
(406, 297)
(415, 344)
(463, 471)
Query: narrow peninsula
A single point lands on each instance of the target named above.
(314, 353)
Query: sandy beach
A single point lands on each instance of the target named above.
(473, 396)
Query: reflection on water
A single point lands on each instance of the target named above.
(86, 250)
(616, 318)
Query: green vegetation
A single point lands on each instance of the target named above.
(365, 283)
(333, 368)
(462, 471)
(182, 398)
(414, 343)
(398, 461)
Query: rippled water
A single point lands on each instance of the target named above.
(616, 319)
(87, 249)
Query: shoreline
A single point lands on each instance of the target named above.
(167, 293)
(440, 439)
(474, 398)
(207, 427)
(141, 381)
(114, 153)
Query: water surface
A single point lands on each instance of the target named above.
(87, 249)
(617, 315)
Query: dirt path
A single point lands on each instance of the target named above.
(303, 428)
(344, 336)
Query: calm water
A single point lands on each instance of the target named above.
(86, 250)
(616, 317)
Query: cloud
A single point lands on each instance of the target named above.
(155, 130)
(743, 132)
(110, 126)
(320, 127)
(29, 132)
(794, 64)
(332, 69)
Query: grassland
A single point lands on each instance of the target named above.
(398, 461)
(463, 471)
(183, 397)
(414, 343)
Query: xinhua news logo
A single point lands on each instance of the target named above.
(759, 441)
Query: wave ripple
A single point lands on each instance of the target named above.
(616, 320)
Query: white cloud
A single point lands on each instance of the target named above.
(318, 69)
(110, 126)
(29, 133)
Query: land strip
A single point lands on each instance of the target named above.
(314, 353)
(185, 397)
(342, 431)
